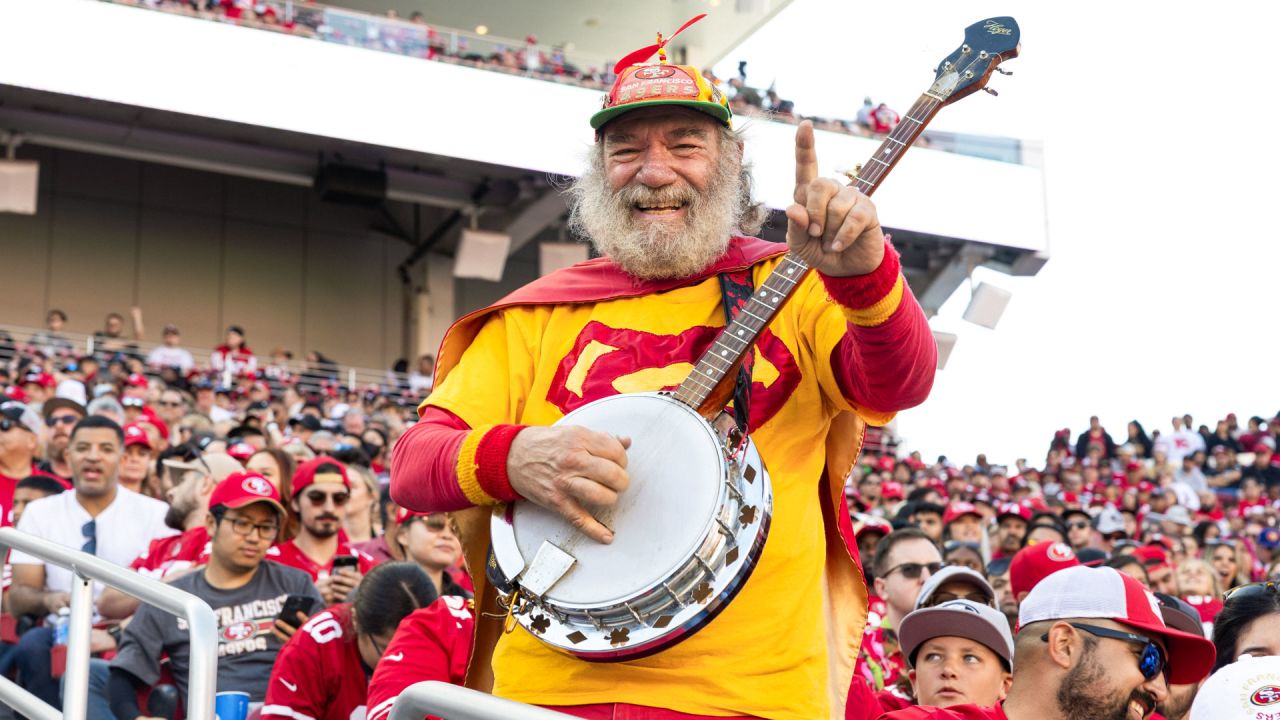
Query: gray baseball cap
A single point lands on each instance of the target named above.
(950, 574)
(957, 618)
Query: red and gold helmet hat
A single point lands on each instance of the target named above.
(641, 85)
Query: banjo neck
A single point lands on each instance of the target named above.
(710, 385)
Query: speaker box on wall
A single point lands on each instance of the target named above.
(987, 305)
(946, 343)
(19, 185)
(481, 255)
(555, 255)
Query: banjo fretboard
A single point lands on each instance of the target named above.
(739, 336)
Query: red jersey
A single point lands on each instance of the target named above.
(318, 674)
(170, 554)
(893, 698)
(288, 553)
(955, 712)
(9, 484)
(861, 703)
(433, 643)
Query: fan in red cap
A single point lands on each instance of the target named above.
(1012, 520)
(1035, 563)
(963, 521)
(321, 489)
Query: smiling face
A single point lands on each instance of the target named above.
(663, 193)
(956, 671)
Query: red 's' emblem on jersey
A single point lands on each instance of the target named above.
(607, 361)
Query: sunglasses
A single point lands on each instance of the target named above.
(1251, 590)
(64, 420)
(7, 424)
(1078, 525)
(1153, 661)
(912, 570)
(170, 403)
(318, 498)
(132, 402)
(953, 545)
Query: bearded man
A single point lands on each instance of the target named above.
(666, 198)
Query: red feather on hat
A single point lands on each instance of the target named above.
(644, 53)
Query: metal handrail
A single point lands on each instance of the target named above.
(452, 702)
(202, 629)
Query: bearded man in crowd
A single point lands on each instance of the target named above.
(666, 199)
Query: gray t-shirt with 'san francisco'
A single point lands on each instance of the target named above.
(245, 615)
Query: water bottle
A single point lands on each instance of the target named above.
(62, 626)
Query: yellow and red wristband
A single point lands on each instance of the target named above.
(482, 464)
(869, 300)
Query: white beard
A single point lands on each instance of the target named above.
(659, 249)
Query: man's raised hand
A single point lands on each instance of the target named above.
(832, 227)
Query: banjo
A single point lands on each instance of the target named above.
(673, 566)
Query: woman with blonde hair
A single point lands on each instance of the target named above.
(1199, 585)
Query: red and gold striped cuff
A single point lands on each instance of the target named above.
(869, 300)
(482, 464)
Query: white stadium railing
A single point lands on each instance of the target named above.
(452, 702)
(203, 630)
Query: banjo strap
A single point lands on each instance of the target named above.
(736, 289)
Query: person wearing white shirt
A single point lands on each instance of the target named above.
(170, 354)
(100, 518)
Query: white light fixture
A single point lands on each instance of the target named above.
(19, 186)
(481, 255)
(553, 256)
(482, 29)
(987, 305)
(946, 343)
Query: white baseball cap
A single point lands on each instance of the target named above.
(1085, 592)
(1247, 689)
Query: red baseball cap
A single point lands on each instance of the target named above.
(1152, 556)
(306, 474)
(891, 491)
(873, 524)
(1034, 563)
(887, 462)
(245, 488)
(136, 380)
(646, 85)
(404, 513)
(1017, 510)
(957, 509)
(241, 451)
(134, 434)
(1084, 592)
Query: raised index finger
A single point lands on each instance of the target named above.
(806, 158)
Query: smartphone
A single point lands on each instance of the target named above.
(345, 561)
(293, 605)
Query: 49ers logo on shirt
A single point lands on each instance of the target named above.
(607, 361)
(1266, 695)
(239, 631)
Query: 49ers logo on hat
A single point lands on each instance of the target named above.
(1266, 695)
(659, 71)
(1060, 552)
(256, 485)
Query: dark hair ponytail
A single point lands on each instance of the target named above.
(388, 593)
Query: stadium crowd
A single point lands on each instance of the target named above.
(266, 495)
(413, 36)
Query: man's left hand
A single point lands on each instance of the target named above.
(832, 226)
